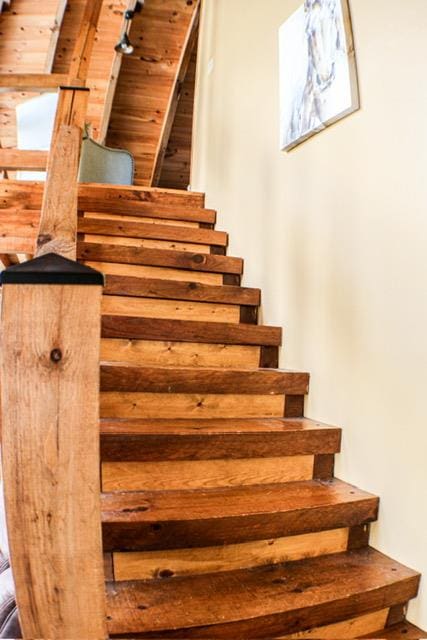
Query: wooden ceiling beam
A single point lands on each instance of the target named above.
(84, 44)
(32, 82)
(181, 72)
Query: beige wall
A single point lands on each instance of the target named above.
(335, 233)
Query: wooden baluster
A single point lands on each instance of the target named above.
(50, 398)
(58, 222)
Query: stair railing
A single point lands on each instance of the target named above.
(50, 343)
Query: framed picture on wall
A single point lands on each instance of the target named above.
(318, 75)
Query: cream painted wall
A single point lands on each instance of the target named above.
(335, 234)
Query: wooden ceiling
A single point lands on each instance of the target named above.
(28, 35)
(105, 63)
(148, 79)
(154, 83)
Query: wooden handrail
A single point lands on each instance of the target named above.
(22, 160)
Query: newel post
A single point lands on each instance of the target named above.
(50, 402)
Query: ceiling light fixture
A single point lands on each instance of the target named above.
(124, 45)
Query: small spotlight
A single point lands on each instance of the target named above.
(124, 46)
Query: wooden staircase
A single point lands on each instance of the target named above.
(221, 515)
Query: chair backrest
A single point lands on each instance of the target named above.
(98, 163)
(105, 165)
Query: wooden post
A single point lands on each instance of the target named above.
(80, 61)
(49, 401)
(58, 222)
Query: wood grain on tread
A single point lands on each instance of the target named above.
(170, 309)
(184, 405)
(179, 354)
(145, 219)
(152, 231)
(128, 378)
(159, 258)
(144, 440)
(263, 601)
(180, 562)
(151, 288)
(174, 519)
(180, 475)
(118, 269)
(148, 210)
(163, 245)
(190, 331)
(109, 193)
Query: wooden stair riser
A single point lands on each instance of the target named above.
(191, 331)
(398, 631)
(195, 561)
(133, 565)
(180, 354)
(178, 310)
(174, 275)
(348, 629)
(170, 309)
(140, 405)
(157, 258)
(204, 474)
(181, 405)
(167, 475)
(170, 520)
(281, 600)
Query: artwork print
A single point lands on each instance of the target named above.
(318, 78)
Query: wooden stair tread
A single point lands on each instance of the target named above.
(180, 290)
(189, 331)
(143, 201)
(140, 440)
(402, 631)
(97, 226)
(154, 520)
(131, 378)
(287, 597)
(137, 208)
(290, 498)
(206, 427)
(95, 252)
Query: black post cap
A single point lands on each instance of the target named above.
(51, 269)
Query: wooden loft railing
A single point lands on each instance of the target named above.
(49, 375)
